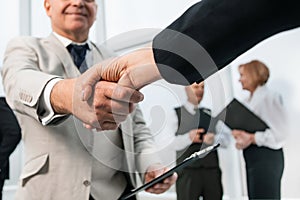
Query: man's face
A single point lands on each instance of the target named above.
(195, 93)
(71, 18)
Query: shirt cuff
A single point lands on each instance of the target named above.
(183, 141)
(258, 136)
(49, 115)
(186, 138)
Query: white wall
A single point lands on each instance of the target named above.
(123, 16)
(9, 20)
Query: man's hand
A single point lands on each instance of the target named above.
(209, 138)
(76, 96)
(111, 104)
(135, 69)
(243, 139)
(195, 135)
(154, 171)
(106, 107)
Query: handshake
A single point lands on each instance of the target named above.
(103, 96)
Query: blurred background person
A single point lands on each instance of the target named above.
(10, 136)
(180, 127)
(262, 150)
(195, 130)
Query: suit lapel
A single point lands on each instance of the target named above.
(97, 54)
(128, 140)
(62, 53)
(101, 53)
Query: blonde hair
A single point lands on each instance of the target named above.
(257, 71)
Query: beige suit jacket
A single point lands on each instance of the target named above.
(58, 162)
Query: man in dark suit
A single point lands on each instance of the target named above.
(207, 37)
(10, 135)
(212, 33)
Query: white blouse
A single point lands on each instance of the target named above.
(268, 105)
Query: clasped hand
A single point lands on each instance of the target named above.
(105, 94)
(195, 136)
(243, 139)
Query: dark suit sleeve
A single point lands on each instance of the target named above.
(10, 136)
(212, 33)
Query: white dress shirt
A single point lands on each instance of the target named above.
(268, 105)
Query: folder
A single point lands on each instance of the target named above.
(237, 116)
(195, 156)
(206, 121)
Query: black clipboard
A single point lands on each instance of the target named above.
(237, 116)
(195, 156)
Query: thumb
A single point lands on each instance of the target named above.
(88, 79)
(109, 70)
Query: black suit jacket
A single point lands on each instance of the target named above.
(10, 135)
(212, 33)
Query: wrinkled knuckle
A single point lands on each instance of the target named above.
(109, 126)
(119, 93)
(101, 106)
(93, 122)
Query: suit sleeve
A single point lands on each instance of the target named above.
(212, 33)
(145, 150)
(24, 82)
(10, 134)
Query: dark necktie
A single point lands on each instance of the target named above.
(78, 53)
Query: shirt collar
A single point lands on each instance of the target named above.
(257, 92)
(65, 41)
(190, 107)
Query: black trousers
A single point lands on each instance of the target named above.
(195, 182)
(264, 169)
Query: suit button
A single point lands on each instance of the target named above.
(86, 183)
